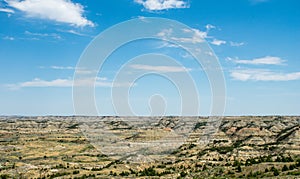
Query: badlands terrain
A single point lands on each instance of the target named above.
(162, 147)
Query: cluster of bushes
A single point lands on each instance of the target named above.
(148, 172)
(284, 159)
(276, 171)
(86, 176)
(60, 166)
(262, 159)
(4, 176)
(199, 124)
(254, 174)
(183, 173)
(224, 149)
(54, 175)
(124, 173)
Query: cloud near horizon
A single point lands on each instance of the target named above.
(263, 75)
(267, 60)
(99, 82)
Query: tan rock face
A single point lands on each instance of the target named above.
(247, 131)
(231, 131)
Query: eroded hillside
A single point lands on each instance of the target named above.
(49, 147)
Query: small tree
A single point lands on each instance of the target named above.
(292, 167)
(275, 172)
(285, 168)
(183, 174)
(239, 169)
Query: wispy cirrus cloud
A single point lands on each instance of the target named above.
(64, 11)
(8, 38)
(34, 36)
(188, 36)
(263, 75)
(51, 35)
(267, 60)
(62, 67)
(37, 82)
(76, 33)
(236, 44)
(42, 83)
(161, 69)
(209, 26)
(158, 5)
(197, 37)
(218, 42)
(77, 70)
(7, 10)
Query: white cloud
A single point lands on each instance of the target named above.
(62, 68)
(7, 10)
(186, 55)
(156, 5)
(236, 44)
(210, 53)
(263, 75)
(198, 36)
(8, 38)
(268, 60)
(43, 83)
(52, 35)
(209, 26)
(165, 33)
(64, 11)
(161, 69)
(80, 71)
(100, 82)
(193, 36)
(142, 18)
(218, 42)
(164, 44)
(77, 33)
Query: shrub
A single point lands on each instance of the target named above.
(148, 172)
(285, 168)
(239, 169)
(183, 174)
(292, 167)
(123, 173)
(275, 172)
(4, 176)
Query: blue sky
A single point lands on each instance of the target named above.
(256, 41)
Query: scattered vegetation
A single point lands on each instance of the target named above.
(63, 152)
